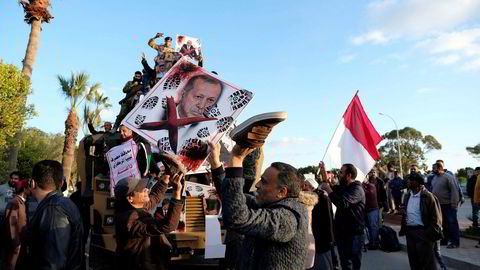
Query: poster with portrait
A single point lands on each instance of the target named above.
(189, 47)
(185, 110)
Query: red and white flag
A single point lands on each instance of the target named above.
(355, 141)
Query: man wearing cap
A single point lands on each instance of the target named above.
(421, 224)
(107, 126)
(141, 241)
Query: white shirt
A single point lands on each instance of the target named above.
(414, 215)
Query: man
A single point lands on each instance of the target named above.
(476, 197)
(372, 215)
(55, 232)
(397, 185)
(349, 224)
(445, 189)
(421, 223)
(141, 241)
(107, 126)
(200, 93)
(274, 222)
(471, 183)
(7, 191)
(132, 89)
(165, 51)
(16, 217)
(381, 192)
(322, 228)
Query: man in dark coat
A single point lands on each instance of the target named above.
(55, 233)
(141, 241)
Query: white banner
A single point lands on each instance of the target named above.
(122, 162)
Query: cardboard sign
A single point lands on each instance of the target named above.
(122, 162)
(189, 47)
(185, 110)
(196, 190)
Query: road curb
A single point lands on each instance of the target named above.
(452, 262)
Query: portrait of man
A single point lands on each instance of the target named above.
(200, 93)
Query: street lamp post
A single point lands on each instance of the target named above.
(398, 142)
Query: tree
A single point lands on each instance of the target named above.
(36, 13)
(413, 146)
(14, 88)
(101, 103)
(35, 145)
(308, 169)
(74, 90)
(474, 151)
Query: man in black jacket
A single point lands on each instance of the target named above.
(55, 233)
(349, 198)
(471, 182)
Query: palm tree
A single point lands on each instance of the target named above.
(101, 103)
(74, 90)
(36, 12)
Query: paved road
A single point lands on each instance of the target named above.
(379, 260)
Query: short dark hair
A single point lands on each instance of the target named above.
(204, 77)
(17, 173)
(168, 38)
(138, 72)
(289, 177)
(417, 178)
(477, 169)
(48, 174)
(350, 169)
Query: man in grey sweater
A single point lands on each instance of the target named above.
(274, 222)
(445, 189)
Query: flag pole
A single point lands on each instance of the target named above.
(356, 93)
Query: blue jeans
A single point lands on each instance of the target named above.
(350, 250)
(450, 224)
(373, 222)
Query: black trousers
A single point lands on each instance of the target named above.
(421, 254)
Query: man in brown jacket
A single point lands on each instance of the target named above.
(15, 225)
(421, 223)
(141, 241)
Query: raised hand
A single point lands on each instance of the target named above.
(214, 157)
(177, 185)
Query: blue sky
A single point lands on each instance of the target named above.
(417, 61)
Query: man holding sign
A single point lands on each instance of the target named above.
(141, 241)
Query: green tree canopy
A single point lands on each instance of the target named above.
(474, 151)
(14, 88)
(413, 146)
(34, 146)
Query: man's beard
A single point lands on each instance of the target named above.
(343, 181)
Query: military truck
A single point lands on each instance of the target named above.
(188, 241)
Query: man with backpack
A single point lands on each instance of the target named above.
(421, 224)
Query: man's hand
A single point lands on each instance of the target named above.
(165, 179)
(321, 165)
(143, 56)
(325, 186)
(238, 154)
(214, 157)
(159, 35)
(177, 185)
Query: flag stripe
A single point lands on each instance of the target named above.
(356, 120)
(344, 148)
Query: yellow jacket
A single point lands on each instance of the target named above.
(477, 191)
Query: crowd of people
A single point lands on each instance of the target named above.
(288, 223)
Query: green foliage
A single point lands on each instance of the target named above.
(75, 88)
(474, 151)
(413, 146)
(308, 169)
(14, 88)
(34, 146)
(101, 103)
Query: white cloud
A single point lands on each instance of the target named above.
(466, 42)
(375, 37)
(421, 17)
(347, 58)
(447, 60)
(473, 65)
(425, 90)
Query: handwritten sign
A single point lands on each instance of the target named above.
(122, 162)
